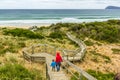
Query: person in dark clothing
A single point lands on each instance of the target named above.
(58, 61)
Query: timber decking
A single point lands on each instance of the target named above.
(53, 75)
(45, 56)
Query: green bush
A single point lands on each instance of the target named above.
(116, 51)
(103, 31)
(89, 43)
(23, 33)
(2, 51)
(17, 72)
(99, 44)
(21, 44)
(73, 43)
(58, 34)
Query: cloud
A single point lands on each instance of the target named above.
(57, 4)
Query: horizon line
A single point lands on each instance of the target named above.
(41, 9)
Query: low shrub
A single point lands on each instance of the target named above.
(73, 43)
(21, 44)
(88, 43)
(17, 72)
(23, 33)
(107, 31)
(116, 51)
(58, 34)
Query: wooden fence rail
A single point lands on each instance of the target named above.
(68, 55)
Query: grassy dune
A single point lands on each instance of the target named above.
(101, 38)
(12, 42)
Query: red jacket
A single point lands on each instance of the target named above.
(58, 57)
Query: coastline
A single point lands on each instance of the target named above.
(27, 24)
(24, 25)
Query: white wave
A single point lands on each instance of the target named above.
(50, 21)
(70, 20)
(26, 21)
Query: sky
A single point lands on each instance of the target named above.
(57, 4)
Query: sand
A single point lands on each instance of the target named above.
(24, 25)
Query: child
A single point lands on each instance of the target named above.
(53, 64)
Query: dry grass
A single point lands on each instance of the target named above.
(17, 57)
(88, 63)
(100, 64)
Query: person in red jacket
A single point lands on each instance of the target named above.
(58, 61)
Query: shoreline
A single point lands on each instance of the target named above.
(38, 24)
(29, 24)
(24, 25)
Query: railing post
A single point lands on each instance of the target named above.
(32, 49)
(47, 75)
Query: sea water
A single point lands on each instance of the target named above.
(49, 16)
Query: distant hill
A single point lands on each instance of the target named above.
(112, 7)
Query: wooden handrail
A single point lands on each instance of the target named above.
(77, 55)
(85, 74)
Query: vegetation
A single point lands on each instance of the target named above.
(103, 31)
(100, 75)
(11, 44)
(99, 44)
(17, 72)
(89, 43)
(116, 51)
(97, 74)
(97, 55)
(58, 34)
(16, 39)
(23, 33)
(80, 77)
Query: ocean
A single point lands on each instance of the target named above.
(49, 16)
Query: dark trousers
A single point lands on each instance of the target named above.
(58, 64)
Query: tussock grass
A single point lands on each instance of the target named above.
(103, 57)
(116, 51)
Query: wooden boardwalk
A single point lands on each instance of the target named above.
(53, 75)
(42, 55)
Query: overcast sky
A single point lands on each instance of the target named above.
(57, 4)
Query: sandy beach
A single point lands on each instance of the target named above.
(24, 25)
